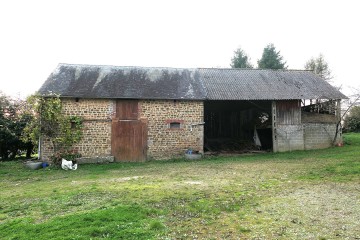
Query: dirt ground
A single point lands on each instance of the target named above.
(319, 211)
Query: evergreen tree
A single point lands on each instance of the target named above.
(271, 59)
(240, 60)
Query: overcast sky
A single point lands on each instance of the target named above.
(37, 35)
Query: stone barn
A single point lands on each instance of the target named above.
(141, 113)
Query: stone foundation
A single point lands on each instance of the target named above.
(83, 160)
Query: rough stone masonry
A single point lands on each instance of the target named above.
(163, 142)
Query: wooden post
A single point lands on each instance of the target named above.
(339, 118)
(338, 109)
(274, 125)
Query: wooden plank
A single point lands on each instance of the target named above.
(288, 112)
(313, 117)
(129, 135)
(127, 109)
(129, 140)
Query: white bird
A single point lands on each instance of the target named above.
(68, 165)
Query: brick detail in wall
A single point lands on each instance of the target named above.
(165, 143)
(97, 114)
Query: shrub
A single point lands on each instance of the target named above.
(14, 116)
(50, 122)
(352, 121)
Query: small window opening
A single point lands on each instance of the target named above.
(73, 125)
(174, 125)
(77, 99)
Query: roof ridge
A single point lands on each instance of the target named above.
(259, 69)
(182, 68)
(117, 66)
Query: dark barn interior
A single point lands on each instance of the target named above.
(237, 126)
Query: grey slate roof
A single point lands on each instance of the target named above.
(93, 81)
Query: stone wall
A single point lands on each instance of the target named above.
(165, 142)
(46, 149)
(97, 114)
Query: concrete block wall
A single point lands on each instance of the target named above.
(97, 114)
(289, 138)
(306, 136)
(164, 142)
(320, 135)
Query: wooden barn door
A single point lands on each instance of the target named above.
(128, 134)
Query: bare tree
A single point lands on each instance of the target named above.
(356, 100)
(320, 67)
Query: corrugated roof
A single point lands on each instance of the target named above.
(93, 81)
(265, 84)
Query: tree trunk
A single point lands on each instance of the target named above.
(29, 150)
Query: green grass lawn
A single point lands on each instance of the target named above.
(297, 195)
